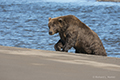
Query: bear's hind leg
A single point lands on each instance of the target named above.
(98, 49)
(100, 52)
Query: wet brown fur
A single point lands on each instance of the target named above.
(74, 33)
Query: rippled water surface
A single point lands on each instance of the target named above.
(23, 23)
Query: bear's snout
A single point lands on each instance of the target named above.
(50, 33)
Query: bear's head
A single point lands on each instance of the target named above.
(56, 25)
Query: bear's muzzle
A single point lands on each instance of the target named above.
(50, 33)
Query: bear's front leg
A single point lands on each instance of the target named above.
(70, 42)
(58, 46)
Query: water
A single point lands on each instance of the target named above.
(23, 23)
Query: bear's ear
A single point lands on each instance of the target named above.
(60, 20)
(50, 18)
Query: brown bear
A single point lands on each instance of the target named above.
(74, 33)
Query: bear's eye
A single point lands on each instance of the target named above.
(53, 22)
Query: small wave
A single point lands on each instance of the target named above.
(36, 1)
(61, 0)
(19, 1)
